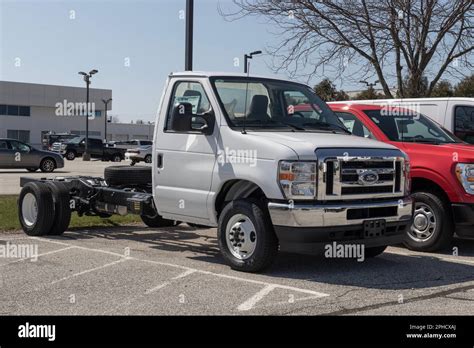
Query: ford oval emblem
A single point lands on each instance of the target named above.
(368, 177)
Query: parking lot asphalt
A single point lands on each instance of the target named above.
(179, 271)
(10, 178)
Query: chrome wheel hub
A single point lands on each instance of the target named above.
(29, 209)
(424, 223)
(241, 236)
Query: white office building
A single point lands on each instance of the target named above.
(28, 110)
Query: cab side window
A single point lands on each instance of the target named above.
(354, 125)
(464, 123)
(191, 93)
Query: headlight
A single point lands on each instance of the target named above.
(465, 174)
(298, 179)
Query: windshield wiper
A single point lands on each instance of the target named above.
(326, 125)
(273, 122)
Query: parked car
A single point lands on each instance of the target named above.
(140, 154)
(267, 178)
(455, 114)
(51, 140)
(96, 148)
(131, 144)
(442, 170)
(16, 154)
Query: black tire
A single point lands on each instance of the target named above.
(36, 192)
(62, 211)
(148, 159)
(266, 245)
(127, 175)
(442, 233)
(374, 251)
(158, 221)
(48, 165)
(133, 163)
(70, 155)
(116, 157)
(32, 170)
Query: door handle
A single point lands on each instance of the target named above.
(159, 162)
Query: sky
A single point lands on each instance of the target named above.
(134, 44)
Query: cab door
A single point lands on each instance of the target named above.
(184, 160)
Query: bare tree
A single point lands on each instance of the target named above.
(395, 40)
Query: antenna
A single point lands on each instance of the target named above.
(246, 96)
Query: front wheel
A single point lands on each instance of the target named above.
(432, 227)
(116, 158)
(148, 159)
(246, 237)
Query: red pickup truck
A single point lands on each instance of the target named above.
(442, 170)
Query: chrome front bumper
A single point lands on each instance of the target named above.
(335, 214)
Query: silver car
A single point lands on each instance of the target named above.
(139, 154)
(16, 154)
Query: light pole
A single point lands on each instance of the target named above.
(106, 102)
(188, 55)
(247, 57)
(87, 77)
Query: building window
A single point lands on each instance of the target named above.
(12, 110)
(21, 135)
(15, 110)
(24, 111)
(98, 113)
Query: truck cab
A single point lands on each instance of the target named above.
(442, 169)
(238, 153)
(233, 152)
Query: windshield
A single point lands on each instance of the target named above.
(415, 128)
(75, 140)
(271, 104)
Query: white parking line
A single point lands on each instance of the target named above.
(436, 256)
(250, 303)
(162, 285)
(39, 255)
(89, 270)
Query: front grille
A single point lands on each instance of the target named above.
(344, 177)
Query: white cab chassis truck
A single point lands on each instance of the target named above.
(263, 160)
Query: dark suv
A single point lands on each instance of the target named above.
(76, 147)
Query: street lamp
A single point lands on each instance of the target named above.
(106, 102)
(370, 85)
(247, 57)
(87, 77)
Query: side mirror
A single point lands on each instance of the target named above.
(182, 117)
(204, 123)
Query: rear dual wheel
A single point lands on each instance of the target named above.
(43, 208)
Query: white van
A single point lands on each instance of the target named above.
(455, 114)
